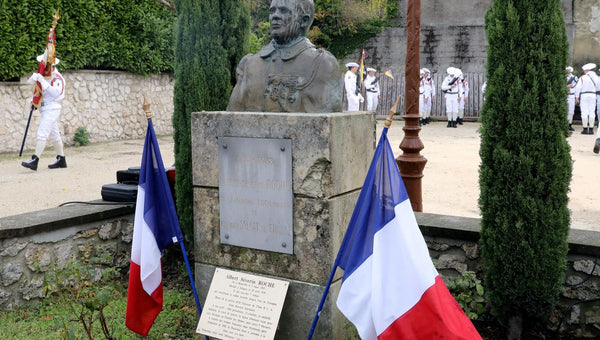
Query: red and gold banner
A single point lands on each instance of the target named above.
(47, 62)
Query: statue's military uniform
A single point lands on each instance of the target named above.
(276, 80)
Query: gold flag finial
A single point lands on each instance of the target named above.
(56, 17)
(146, 106)
(388, 120)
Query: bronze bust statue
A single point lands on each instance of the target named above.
(289, 74)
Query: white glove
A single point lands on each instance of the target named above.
(34, 78)
(360, 98)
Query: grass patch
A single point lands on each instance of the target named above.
(87, 292)
(50, 320)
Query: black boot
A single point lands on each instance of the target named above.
(32, 163)
(428, 120)
(460, 121)
(571, 127)
(584, 132)
(61, 162)
(454, 124)
(591, 131)
(449, 124)
(597, 146)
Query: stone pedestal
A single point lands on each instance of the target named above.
(330, 158)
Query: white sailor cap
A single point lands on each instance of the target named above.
(370, 69)
(569, 69)
(349, 65)
(41, 56)
(426, 70)
(421, 71)
(451, 70)
(589, 66)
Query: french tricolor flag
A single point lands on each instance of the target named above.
(155, 227)
(390, 288)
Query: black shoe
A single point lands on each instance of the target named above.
(454, 124)
(571, 128)
(428, 120)
(449, 124)
(61, 162)
(590, 131)
(584, 132)
(460, 121)
(32, 163)
(597, 146)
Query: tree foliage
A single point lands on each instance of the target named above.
(525, 166)
(135, 36)
(211, 37)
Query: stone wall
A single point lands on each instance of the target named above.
(32, 243)
(452, 34)
(453, 244)
(107, 103)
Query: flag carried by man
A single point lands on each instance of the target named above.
(389, 73)
(363, 73)
(155, 227)
(390, 288)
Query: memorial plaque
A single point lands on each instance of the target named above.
(255, 193)
(242, 306)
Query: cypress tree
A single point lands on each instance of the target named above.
(203, 75)
(525, 166)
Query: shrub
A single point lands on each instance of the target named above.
(204, 64)
(81, 137)
(525, 162)
(468, 292)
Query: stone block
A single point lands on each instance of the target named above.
(10, 273)
(331, 152)
(109, 230)
(299, 308)
(319, 226)
(38, 258)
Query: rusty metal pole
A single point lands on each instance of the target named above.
(411, 162)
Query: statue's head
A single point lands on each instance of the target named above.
(290, 19)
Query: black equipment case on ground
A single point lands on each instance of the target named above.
(129, 176)
(119, 192)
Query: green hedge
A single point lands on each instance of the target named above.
(129, 35)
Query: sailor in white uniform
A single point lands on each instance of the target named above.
(585, 94)
(352, 94)
(451, 90)
(571, 83)
(372, 87)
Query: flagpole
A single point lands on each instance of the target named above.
(189, 270)
(388, 123)
(146, 107)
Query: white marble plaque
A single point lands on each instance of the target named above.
(255, 193)
(242, 306)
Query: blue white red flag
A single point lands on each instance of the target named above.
(155, 227)
(390, 288)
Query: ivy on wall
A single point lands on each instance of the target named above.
(130, 35)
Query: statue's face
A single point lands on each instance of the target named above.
(285, 24)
